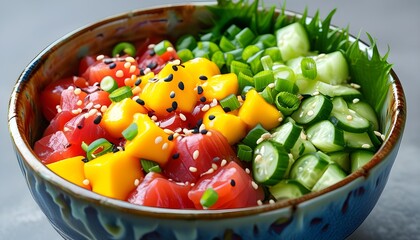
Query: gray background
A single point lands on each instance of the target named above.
(26, 27)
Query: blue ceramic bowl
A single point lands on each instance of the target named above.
(76, 213)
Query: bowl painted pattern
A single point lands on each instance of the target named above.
(76, 213)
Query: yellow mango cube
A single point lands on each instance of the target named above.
(201, 68)
(113, 174)
(256, 110)
(119, 116)
(71, 169)
(151, 142)
(220, 86)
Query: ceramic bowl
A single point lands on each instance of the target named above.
(76, 213)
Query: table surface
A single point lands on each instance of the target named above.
(26, 27)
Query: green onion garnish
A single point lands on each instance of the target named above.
(244, 152)
(230, 102)
(121, 93)
(232, 31)
(244, 81)
(98, 148)
(253, 135)
(287, 102)
(226, 45)
(274, 53)
(108, 84)
(285, 85)
(162, 47)
(150, 166)
(84, 146)
(209, 198)
(308, 66)
(263, 79)
(185, 54)
(130, 132)
(245, 37)
(186, 42)
(218, 58)
(249, 51)
(267, 62)
(237, 67)
(124, 48)
(268, 94)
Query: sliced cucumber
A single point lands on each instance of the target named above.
(347, 120)
(302, 147)
(344, 91)
(359, 159)
(313, 109)
(292, 41)
(332, 175)
(325, 136)
(308, 169)
(342, 158)
(360, 141)
(287, 135)
(365, 110)
(270, 163)
(288, 189)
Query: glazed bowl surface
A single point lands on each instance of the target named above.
(76, 213)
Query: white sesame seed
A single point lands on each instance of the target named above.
(176, 62)
(168, 131)
(75, 111)
(349, 117)
(183, 117)
(66, 129)
(211, 170)
(147, 71)
(271, 201)
(136, 182)
(254, 185)
(127, 65)
(192, 184)
(310, 113)
(100, 57)
(104, 108)
(266, 136)
(383, 137)
(303, 135)
(271, 85)
(202, 127)
(209, 133)
(151, 46)
(77, 91)
(213, 103)
(132, 69)
(192, 169)
(205, 108)
(178, 130)
(223, 162)
(89, 105)
(165, 146)
(59, 110)
(93, 112)
(136, 90)
(214, 166)
(86, 182)
(247, 170)
(315, 93)
(196, 153)
(258, 158)
(259, 202)
(119, 73)
(377, 133)
(158, 139)
(366, 145)
(97, 106)
(130, 59)
(356, 100)
(79, 102)
(280, 119)
(355, 85)
(154, 118)
(259, 140)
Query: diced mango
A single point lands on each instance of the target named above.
(71, 169)
(173, 89)
(256, 110)
(151, 141)
(201, 68)
(228, 124)
(119, 116)
(220, 86)
(113, 174)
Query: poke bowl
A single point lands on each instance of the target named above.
(333, 211)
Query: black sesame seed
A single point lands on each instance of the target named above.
(172, 95)
(215, 159)
(80, 126)
(174, 105)
(199, 89)
(152, 65)
(112, 65)
(108, 61)
(85, 160)
(169, 78)
(115, 149)
(140, 101)
(204, 131)
(203, 99)
(202, 77)
(138, 82)
(232, 182)
(152, 52)
(175, 156)
(227, 109)
(169, 110)
(171, 137)
(142, 72)
(199, 122)
(175, 68)
(195, 130)
(211, 117)
(181, 85)
(97, 120)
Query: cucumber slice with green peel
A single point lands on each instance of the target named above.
(270, 163)
(347, 119)
(302, 147)
(287, 135)
(341, 158)
(288, 189)
(359, 158)
(332, 175)
(308, 169)
(365, 110)
(360, 141)
(313, 109)
(326, 137)
(292, 41)
(345, 91)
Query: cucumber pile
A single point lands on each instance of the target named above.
(328, 130)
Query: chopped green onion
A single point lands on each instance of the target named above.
(245, 37)
(287, 102)
(150, 166)
(253, 135)
(263, 79)
(274, 53)
(244, 81)
(186, 42)
(255, 62)
(124, 48)
(121, 93)
(250, 51)
(267, 62)
(245, 90)
(226, 45)
(237, 67)
(206, 46)
(185, 54)
(130, 132)
(218, 58)
(237, 54)
(266, 40)
(284, 72)
(268, 94)
(84, 146)
(162, 47)
(285, 85)
(98, 148)
(244, 153)
(230, 102)
(232, 31)
(308, 66)
(108, 84)
(208, 37)
(209, 198)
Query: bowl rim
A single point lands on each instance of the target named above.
(22, 146)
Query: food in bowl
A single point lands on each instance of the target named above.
(253, 115)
